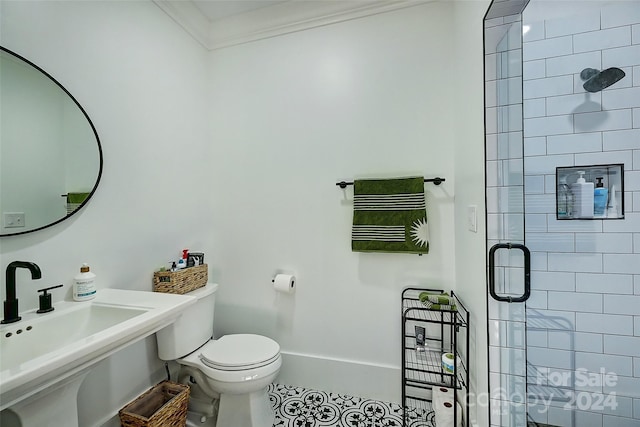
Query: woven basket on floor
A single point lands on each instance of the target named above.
(181, 281)
(164, 405)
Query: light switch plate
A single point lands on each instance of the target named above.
(472, 218)
(13, 219)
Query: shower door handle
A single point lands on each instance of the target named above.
(527, 272)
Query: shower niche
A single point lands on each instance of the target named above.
(590, 192)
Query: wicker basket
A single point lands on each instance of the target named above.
(181, 281)
(164, 405)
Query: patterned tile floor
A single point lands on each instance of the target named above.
(299, 407)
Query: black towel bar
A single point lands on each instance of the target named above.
(436, 181)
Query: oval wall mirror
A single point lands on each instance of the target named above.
(50, 153)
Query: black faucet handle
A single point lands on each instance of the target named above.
(45, 299)
(49, 288)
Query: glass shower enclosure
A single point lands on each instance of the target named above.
(563, 292)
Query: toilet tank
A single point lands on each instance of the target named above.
(192, 329)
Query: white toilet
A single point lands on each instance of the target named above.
(234, 368)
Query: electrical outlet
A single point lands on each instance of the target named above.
(472, 218)
(13, 219)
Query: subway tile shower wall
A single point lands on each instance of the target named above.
(586, 273)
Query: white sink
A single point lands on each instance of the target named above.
(42, 350)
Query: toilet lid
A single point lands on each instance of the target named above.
(239, 351)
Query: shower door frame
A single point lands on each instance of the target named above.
(508, 270)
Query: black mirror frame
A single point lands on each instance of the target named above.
(95, 133)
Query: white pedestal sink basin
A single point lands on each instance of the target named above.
(45, 357)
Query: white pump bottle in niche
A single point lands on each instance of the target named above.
(84, 284)
(583, 196)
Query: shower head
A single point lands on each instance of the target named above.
(596, 80)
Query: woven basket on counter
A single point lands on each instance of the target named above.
(181, 281)
(164, 405)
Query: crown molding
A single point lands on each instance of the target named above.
(282, 18)
(189, 17)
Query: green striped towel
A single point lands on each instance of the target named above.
(389, 215)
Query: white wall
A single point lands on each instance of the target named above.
(141, 79)
(291, 116)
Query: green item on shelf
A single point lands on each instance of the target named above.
(442, 307)
(437, 301)
(438, 297)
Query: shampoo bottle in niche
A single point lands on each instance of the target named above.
(84, 284)
(600, 198)
(583, 197)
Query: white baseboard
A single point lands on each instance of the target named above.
(354, 378)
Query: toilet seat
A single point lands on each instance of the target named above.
(239, 352)
(234, 359)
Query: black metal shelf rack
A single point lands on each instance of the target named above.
(447, 331)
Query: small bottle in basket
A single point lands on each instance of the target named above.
(84, 287)
(182, 262)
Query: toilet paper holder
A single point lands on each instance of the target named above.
(274, 281)
(283, 282)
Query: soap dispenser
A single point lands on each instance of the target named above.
(583, 193)
(84, 287)
(600, 198)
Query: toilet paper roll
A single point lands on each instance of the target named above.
(444, 414)
(441, 394)
(285, 283)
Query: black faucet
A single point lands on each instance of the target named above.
(11, 303)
